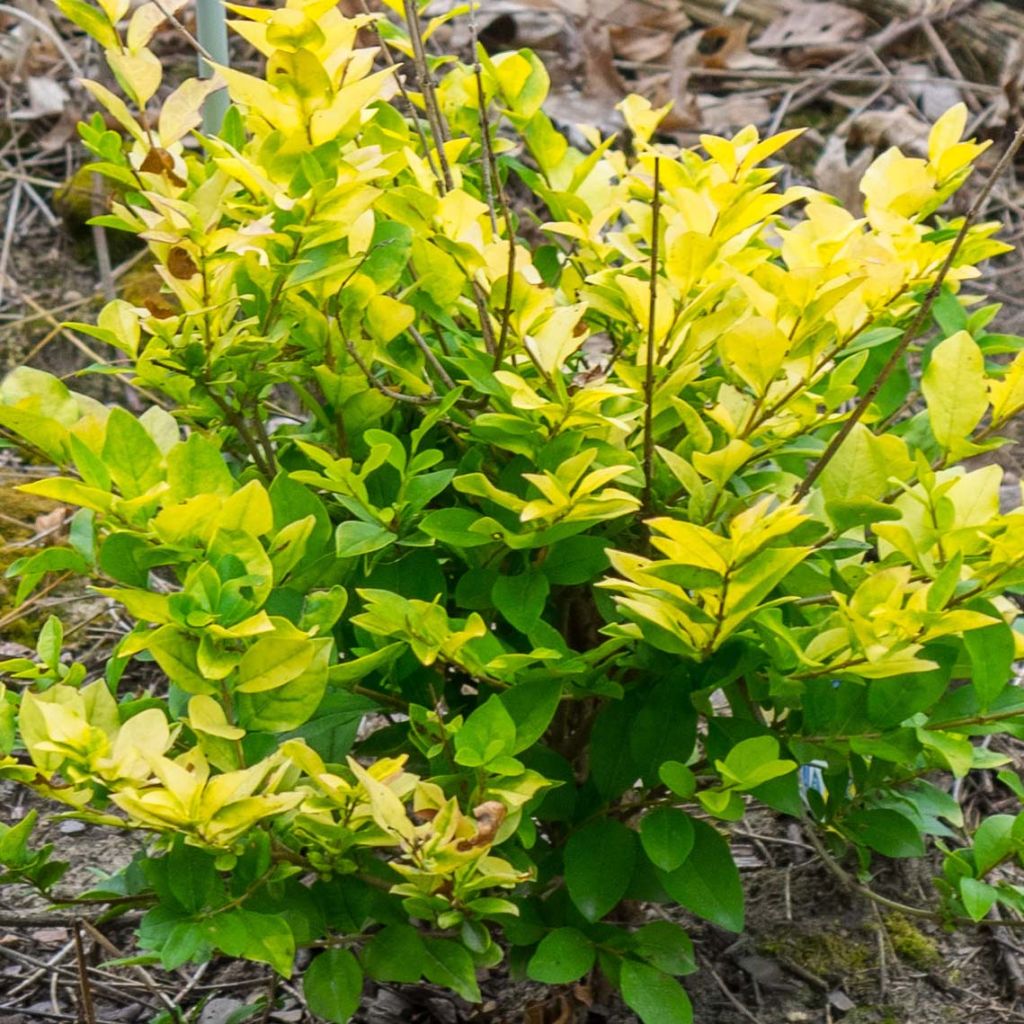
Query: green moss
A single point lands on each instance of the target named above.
(870, 1015)
(829, 955)
(910, 943)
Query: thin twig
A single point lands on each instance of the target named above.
(9, 226)
(100, 243)
(62, 975)
(648, 454)
(883, 968)
(431, 358)
(29, 1011)
(949, 65)
(20, 611)
(398, 396)
(192, 983)
(727, 992)
(486, 330)
(43, 969)
(1008, 951)
(87, 1007)
(27, 183)
(47, 31)
(390, 60)
(188, 36)
(45, 314)
(822, 78)
(923, 913)
(144, 976)
(426, 84)
(918, 323)
(495, 192)
(802, 972)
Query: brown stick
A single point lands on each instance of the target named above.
(87, 1008)
(918, 323)
(649, 368)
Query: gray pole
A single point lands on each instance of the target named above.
(212, 30)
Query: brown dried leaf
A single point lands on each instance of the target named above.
(157, 161)
(534, 1014)
(557, 1010)
(1011, 81)
(63, 131)
(489, 816)
(158, 308)
(643, 31)
(720, 47)
(602, 77)
(51, 520)
(565, 1012)
(734, 110)
(813, 25)
(180, 264)
(9, 649)
(583, 994)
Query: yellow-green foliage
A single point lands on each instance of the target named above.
(526, 506)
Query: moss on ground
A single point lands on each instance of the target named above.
(829, 955)
(911, 944)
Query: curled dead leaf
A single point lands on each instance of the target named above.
(50, 521)
(180, 264)
(158, 308)
(583, 994)
(159, 161)
(489, 816)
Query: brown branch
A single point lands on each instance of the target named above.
(234, 418)
(431, 358)
(916, 325)
(390, 60)
(846, 879)
(648, 453)
(398, 396)
(495, 190)
(426, 84)
(88, 1008)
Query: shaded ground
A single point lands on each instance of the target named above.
(859, 82)
(812, 954)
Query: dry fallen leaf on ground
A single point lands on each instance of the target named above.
(900, 127)
(46, 98)
(819, 28)
(933, 95)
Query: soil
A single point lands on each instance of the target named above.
(813, 953)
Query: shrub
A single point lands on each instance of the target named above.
(507, 519)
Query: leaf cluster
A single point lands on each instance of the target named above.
(472, 538)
